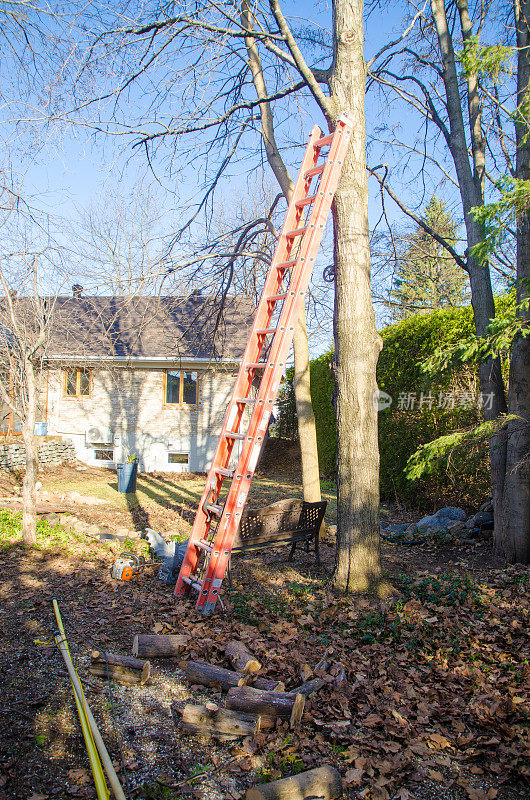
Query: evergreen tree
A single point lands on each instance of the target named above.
(426, 276)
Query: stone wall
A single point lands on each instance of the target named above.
(50, 451)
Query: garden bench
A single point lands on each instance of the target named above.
(284, 522)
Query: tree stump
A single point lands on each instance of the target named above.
(272, 704)
(124, 669)
(241, 658)
(158, 646)
(219, 723)
(210, 675)
(323, 783)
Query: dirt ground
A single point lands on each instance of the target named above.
(435, 701)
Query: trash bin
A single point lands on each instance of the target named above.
(127, 473)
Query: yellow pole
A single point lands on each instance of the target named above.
(78, 689)
(95, 763)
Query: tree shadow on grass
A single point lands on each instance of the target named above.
(139, 515)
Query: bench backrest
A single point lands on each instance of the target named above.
(280, 521)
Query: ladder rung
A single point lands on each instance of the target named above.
(297, 232)
(194, 584)
(277, 296)
(324, 141)
(245, 399)
(267, 330)
(306, 201)
(315, 171)
(256, 365)
(285, 264)
(226, 473)
(234, 435)
(201, 544)
(213, 508)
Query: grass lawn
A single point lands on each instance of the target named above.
(158, 493)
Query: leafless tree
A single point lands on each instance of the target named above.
(210, 75)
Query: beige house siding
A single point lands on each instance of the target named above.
(130, 403)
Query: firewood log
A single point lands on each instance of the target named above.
(124, 669)
(323, 783)
(265, 683)
(219, 723)
(210, 675)
(272, 704)
(158, 646)
(308, 687)
(241, 658)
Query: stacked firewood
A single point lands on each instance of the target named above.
(253, 703)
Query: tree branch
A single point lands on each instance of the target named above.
(418, 220)
(301, 64)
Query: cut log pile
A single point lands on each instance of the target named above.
(253, 703)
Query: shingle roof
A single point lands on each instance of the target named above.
(149, 327)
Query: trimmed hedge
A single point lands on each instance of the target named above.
(464, 478)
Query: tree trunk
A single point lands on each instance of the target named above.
(307, 432)
(211, 675)
(471, 192)
(270, 704)
(29, 495)
(219, 723)
(241, 658)
(513, 541)
(357, 343)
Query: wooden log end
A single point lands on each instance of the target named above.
(241, 658)
(298, 710)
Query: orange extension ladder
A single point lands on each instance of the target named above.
(217, 520)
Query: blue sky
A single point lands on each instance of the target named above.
(75, 168)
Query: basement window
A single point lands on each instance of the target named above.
(104, 454)
(178, 458)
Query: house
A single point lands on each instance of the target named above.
(147, 376)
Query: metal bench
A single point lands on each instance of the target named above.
(285, 522)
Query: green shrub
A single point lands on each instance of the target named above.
(462, 479)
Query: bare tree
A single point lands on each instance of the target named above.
(26, 313)
(443, 73)
(196, 63)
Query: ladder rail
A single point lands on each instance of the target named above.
(275, 367)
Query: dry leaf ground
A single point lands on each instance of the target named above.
(437, 699)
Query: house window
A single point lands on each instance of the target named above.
(104, 454)
(178, 458)
(76, 382)
(182, 387)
